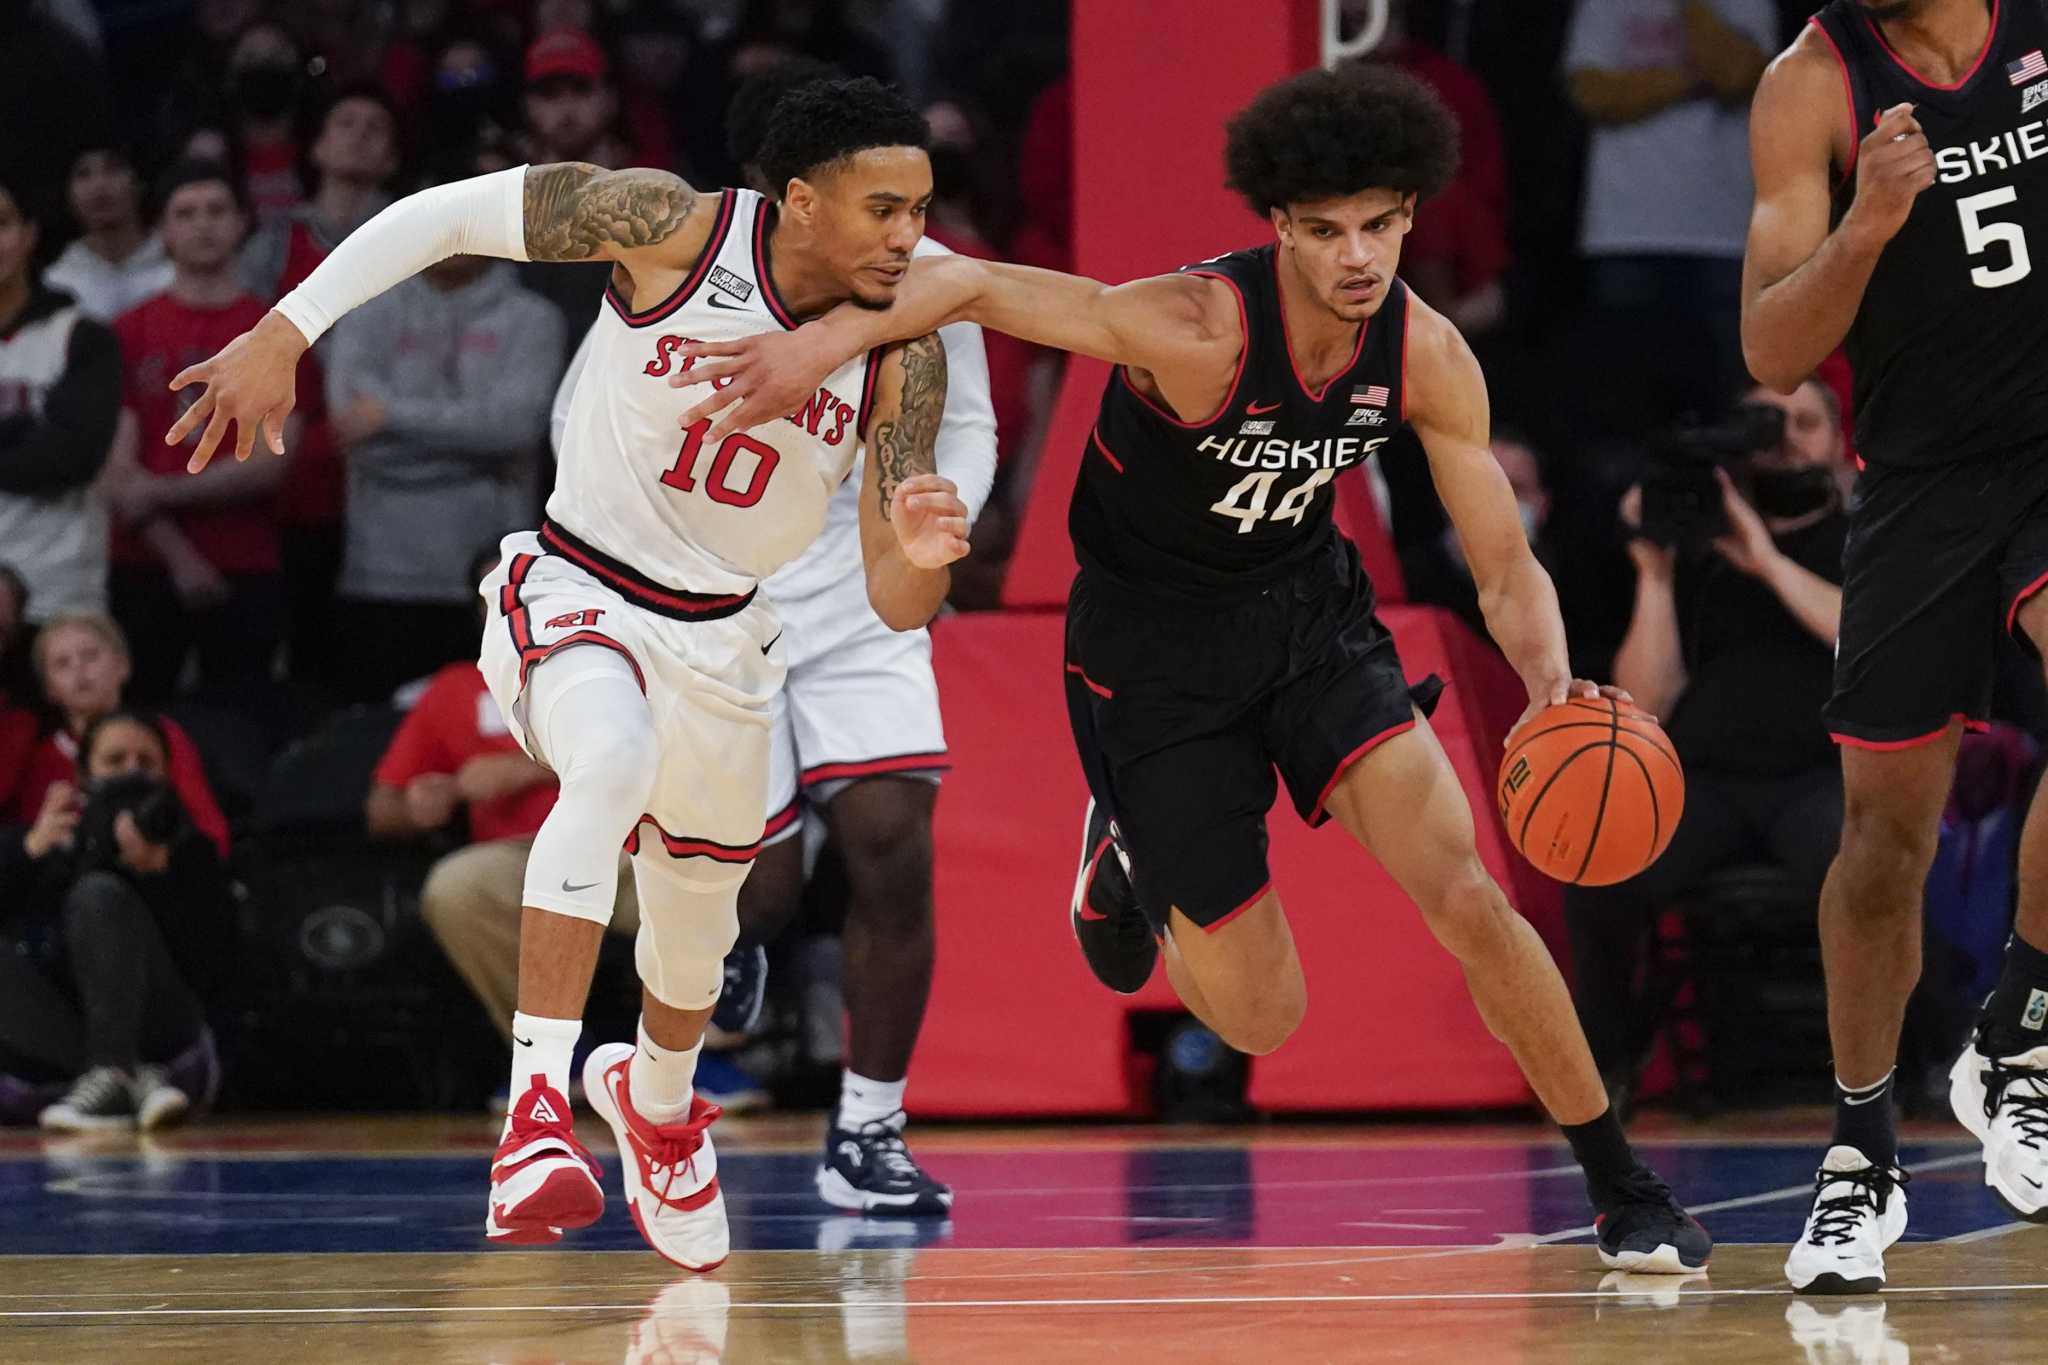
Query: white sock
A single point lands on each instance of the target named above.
(660, 1078)
(541, 1049)
(864, 1101)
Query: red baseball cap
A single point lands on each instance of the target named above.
(565, 52)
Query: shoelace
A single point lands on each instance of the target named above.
(95, 1088)
(673, 1149)
(2029, 1112)
(1835, 1220)
(882, 1140)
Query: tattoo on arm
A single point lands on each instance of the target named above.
(574, 210)
(903, 445)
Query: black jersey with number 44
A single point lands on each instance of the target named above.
(1226, 506)
(1950, 346)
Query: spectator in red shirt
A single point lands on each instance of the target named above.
(82, 662)
(355, 154)
(195, 557)
(454, 753)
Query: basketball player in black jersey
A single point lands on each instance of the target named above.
(1221, 628)
(1901, 159)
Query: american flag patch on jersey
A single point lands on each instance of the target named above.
(2033, 66)
(1369, 396)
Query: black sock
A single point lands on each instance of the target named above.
(1863, 1120)
(2016, 1015)
(1603, 1152)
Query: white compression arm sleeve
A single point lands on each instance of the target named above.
(485, 216)
(966, 445)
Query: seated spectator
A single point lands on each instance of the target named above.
(117, 262)
(438, 391)
(354, 154)
(18, 730)
(1666, 86)
(266, 82)
(1732, 643)
(60, 389)
(82, 663)
(195, 557)
(454, 754)
(126, 904)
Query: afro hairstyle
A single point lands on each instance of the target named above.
(1330, 134)
(753, 104)
(827, 121)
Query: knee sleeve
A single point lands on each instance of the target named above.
(689, 920)
(586, 714)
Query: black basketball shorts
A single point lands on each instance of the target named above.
(1939, 561)
(1182, 713)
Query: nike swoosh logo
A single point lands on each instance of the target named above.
(1255, 409)
(585, 887)
(771, 644)
(721, 301)
(1089, 912)
(523, 1042)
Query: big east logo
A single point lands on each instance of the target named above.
(813, 416)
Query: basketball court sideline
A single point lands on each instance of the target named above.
(360, 1239)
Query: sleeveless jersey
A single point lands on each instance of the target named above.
(1227, 506)
(1947, 347)
(639, 491)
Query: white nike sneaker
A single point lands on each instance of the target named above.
(1850, 1334)
(670, 1170)
(2003, 1101)
(1858, 1210)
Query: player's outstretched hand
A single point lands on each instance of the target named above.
(248, 384)
(1545, 695)
(1893, 164)
(930, 520)
(755, 379)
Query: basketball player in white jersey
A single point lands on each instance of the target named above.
(858, 741)
(628, 645)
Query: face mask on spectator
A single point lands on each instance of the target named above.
(268, 89)
(1791, 492)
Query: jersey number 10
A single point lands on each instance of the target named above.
(1980, 236)
(717, 479)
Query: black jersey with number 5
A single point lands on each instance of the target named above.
(1950, 346)
(1225, 506)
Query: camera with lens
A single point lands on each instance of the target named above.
(158, 818)
(1681, 498)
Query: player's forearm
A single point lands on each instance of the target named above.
(1520, 606)
(1650, 664)
(1791, 326)
(903, 595)
(485, 216)
(1813, 601)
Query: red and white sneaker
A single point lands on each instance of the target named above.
(542, 1179)
(670, 1171)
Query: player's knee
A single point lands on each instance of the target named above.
(613, 770)
(1258, 1032)
(1884, 844)
(688, 923)
(1463, 904)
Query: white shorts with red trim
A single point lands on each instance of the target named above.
(711, 684)
(860, 701)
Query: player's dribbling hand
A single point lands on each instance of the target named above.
(248, 384)
(755, 379)
(1893, 164)
(930, 520)
(1544, 695)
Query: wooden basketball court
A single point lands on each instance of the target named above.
(360, 1240)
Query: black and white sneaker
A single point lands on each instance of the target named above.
(1640, 1227)
(2003, 1101)
(157, 1100)
(1858, 1210)
(102, 1100)
(869, 1170)
(1108, 924)
(746, 986)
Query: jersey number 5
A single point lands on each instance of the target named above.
(718, 479)
(1255, 489)
(1980, 236)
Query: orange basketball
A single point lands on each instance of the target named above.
(1591, 790)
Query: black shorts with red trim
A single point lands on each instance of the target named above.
(1183, 712)
(1940, 559)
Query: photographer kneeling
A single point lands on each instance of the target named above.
(1737, 537)
(124, 923)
